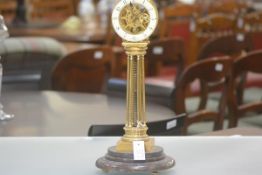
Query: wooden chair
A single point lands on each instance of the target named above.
(8, 10)
(49, 10)
(215, 25)
(229, 45)
(252, 22)
(75, 5)
(208, 27)
(252, 62)
(168, 127)
(211, 71)
(83, 71)
(169, 51)
(232, 45)
(228, 6)
(179, 14)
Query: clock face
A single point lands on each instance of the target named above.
(134, 20)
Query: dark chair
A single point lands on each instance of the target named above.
(252, 62)
(8, 10)
(252, 22)
(229, 45)
(178, 14)
(169, 127)
(210, 71)
(83, 71)
(169, 51)
(228, 7)
(208, 27)
(48, 10)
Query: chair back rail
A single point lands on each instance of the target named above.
(83, 71)
(168, 51)
(209, 27)
(49, 10)
(231, 45)
(251, 62)
(209, 71)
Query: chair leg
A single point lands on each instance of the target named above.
(218, 125)
(184, 131)
(240, 88)
(203, 95)
(232, 122)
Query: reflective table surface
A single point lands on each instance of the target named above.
(77, 155)
(50, 113)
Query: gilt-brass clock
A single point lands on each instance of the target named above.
(135, 20)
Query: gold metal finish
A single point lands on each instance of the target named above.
(135, 128)
(134, 18)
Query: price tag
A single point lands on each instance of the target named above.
(171, 124)
(158, 50)
(219, 67)
(240, 37)
(139, 150)
(192, 26)
(98, 55)
(240, 23)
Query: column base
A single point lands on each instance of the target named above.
(115, 161)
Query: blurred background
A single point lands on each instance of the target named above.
(69, 46)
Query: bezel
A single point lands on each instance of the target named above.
(141, 36)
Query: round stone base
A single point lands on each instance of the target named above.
(124, 162)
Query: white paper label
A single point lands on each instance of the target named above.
(139, 150)
(98, 55)
(240, 37)
(158, 50)
(171, 124)
(240, 23)
(192, 26)
(219, 67)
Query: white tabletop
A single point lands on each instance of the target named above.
(77, 155)
(50, 113)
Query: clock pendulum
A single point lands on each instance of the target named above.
(135, 21)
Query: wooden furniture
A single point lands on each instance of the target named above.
(86, 33)
(210, 71)
(169, 127)
(72, 30)
(234, 46)
(57, 155)
(169, 51)
(250, 63)
(8, 10)
(76, 5)
(208, 27)
(228, 6)
(49, 10)
(83, 71)
(52, 113)
(252, 22)
(214, 25)
(179, 14)
(231, 45)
